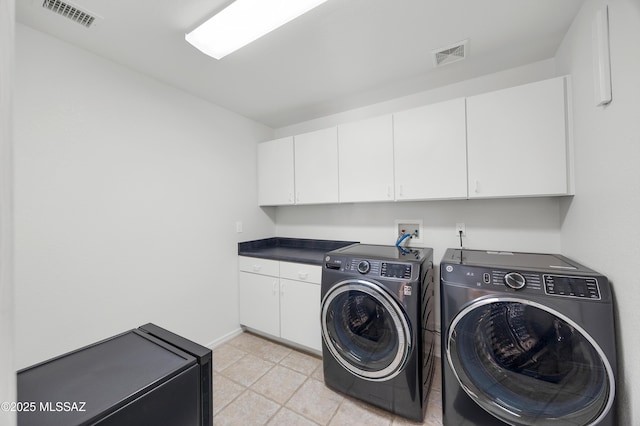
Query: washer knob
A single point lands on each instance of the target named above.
(363, 266)
(514, 280)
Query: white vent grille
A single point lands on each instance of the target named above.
(449, 54)
(71, 12)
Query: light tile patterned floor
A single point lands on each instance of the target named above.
(260, 382)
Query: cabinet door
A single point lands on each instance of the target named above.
(275, 172)
(517, 141)
(365, 150)
(430, 152)
(316, 167)
(259, 302)
(300, 313)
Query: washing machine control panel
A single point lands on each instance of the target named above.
(524, 281)
(496, 279)
(372, 267)
(395, 270)
(571, 286)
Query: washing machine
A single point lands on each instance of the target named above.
(527, 339)
(377, 325)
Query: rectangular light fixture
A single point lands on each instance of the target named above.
(244, 21)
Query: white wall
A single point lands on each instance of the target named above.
(126, 196)
(7, 375)
(600, 223)
(528, 224)
(513, 77)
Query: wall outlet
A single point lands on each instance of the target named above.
(460, 227)
(409, 226)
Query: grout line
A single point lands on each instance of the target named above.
(242, 384)
(250, 387)
(292, 395)
(245, 353)
(335, 413)
(274, 414)
(230, 402)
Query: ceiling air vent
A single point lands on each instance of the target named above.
(449, 54)
(69, 11)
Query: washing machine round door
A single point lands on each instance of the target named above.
(527, 364)
(365, 329)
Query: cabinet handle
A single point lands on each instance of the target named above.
(401, 191)
(388, 191)
(303, 275)
(275, 287)
(477, 189)
(297, 197)
(256, 268)
(281, 289)
(290, 197)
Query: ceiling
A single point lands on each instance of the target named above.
(342, 55)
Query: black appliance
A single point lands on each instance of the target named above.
(527, 338)
(378, 325)
(145, 376)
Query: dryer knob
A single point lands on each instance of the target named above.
(363, 266)
(514, 280)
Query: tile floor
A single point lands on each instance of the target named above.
(260, 382)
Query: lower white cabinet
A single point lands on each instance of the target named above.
(281, 299)
(300, 313)
(260, 302)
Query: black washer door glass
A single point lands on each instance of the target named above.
(365, 330)
(526, 365)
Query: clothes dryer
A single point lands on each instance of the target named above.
(527, 339)
(378, 325)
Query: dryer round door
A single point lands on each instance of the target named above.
(365, 329)
(526, 363)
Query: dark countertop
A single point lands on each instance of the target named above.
(298, 250)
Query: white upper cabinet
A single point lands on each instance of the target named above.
(365, 150)
(518, 141)
(275, 172)
(430, 152)
(316, 166)
(513, 142)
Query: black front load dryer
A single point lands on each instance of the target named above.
(527, 339)
(378, 326)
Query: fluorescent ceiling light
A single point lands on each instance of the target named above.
(244, 21)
